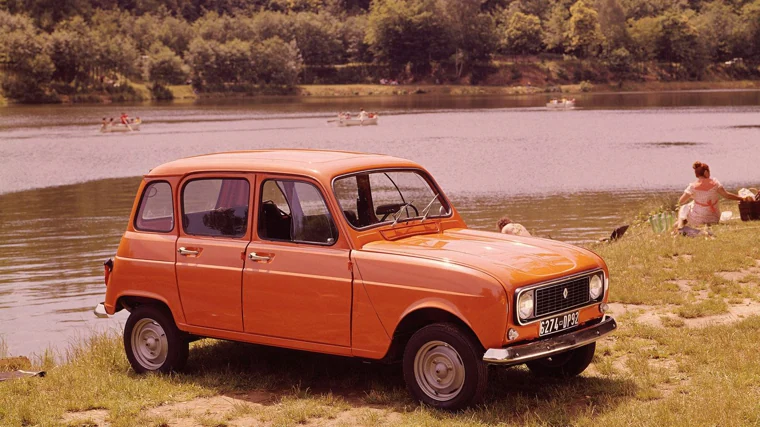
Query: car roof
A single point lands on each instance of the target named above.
(319, 164)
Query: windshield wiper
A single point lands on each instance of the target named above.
(397, 215)
(426, 211)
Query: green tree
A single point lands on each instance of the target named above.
(522, 34)
(584, 32)
(318, 38)
(277, 62)
(472, 34)
(555, 29)
(679, 44)
(166, 67)
(73, 52)
(750, 22)
(645, 34)
(612, 23)
(404, 32)
(29, 69)
(720, 31)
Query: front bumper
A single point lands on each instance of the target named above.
(100, 311)
(549, 346)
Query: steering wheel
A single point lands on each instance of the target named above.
(283, 214)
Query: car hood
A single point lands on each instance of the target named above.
(514, 260)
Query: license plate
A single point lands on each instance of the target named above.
(559, 323)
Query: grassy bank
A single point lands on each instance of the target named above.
(685, 354)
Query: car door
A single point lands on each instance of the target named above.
(216, 218)
(297, 280)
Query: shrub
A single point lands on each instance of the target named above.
(586, 86)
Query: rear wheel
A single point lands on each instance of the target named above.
(443, 367)
(563, 365)
(152, 341)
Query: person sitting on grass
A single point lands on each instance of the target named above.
(506, 226)
(705, 194)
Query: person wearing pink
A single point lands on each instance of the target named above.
(705, 194)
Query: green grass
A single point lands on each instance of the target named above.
(643, 375)
(183, 92)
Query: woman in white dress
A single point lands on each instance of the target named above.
(705, 195)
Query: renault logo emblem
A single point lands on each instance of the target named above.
(564, 293)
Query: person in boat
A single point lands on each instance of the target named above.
(137, 120)
(110, 123)
(124, 119)
(506, 226)
(362, 114)
(104, 124)
(705, 194)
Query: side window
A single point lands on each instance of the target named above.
(156, 211)
(295, 211)
(215, 207)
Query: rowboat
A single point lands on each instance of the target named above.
(358, 122)
(560, 103)
(118, 127)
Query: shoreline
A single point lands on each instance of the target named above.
(185, 93)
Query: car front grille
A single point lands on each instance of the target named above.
(553, 298)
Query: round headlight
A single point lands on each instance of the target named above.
(595, 286)
(525, 305)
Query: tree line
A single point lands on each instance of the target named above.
(52, 47)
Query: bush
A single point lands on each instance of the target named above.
(161, 92)
(586, 86)
(620, 61)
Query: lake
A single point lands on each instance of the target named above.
(66, 189)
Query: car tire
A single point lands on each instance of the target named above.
(564, 365)
(443, 367)
(152, 341)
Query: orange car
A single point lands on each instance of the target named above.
(350, 254)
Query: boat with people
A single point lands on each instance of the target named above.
(125, 124)
(561, 103)
(362, 119)
(119, 127)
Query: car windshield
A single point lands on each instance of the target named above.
(376, 197)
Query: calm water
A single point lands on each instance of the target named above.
(572, 175)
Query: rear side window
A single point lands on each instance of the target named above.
(156, 212)
(295, 211)
(216, 207)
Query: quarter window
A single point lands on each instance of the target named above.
(215, 207)
(156, 212)
(295, 211)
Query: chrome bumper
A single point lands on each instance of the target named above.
(100, 311)
(551, 345)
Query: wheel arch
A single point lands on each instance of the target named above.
(129, 302)
(415, 320)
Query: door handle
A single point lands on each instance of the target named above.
(253, 257)
(185, 251)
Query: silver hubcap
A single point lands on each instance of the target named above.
(149, 344)
(439, 371)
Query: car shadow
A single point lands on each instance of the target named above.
(265, 375)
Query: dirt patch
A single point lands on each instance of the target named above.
(87, 418)
(653, 316)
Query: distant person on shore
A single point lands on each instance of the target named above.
(704, 194)
(506, 226)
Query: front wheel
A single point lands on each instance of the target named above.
(152, 341)
(564, 365)
(443, 367)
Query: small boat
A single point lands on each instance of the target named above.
(561, 103)
(358, 122)
(345, 119)
(118, 127)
